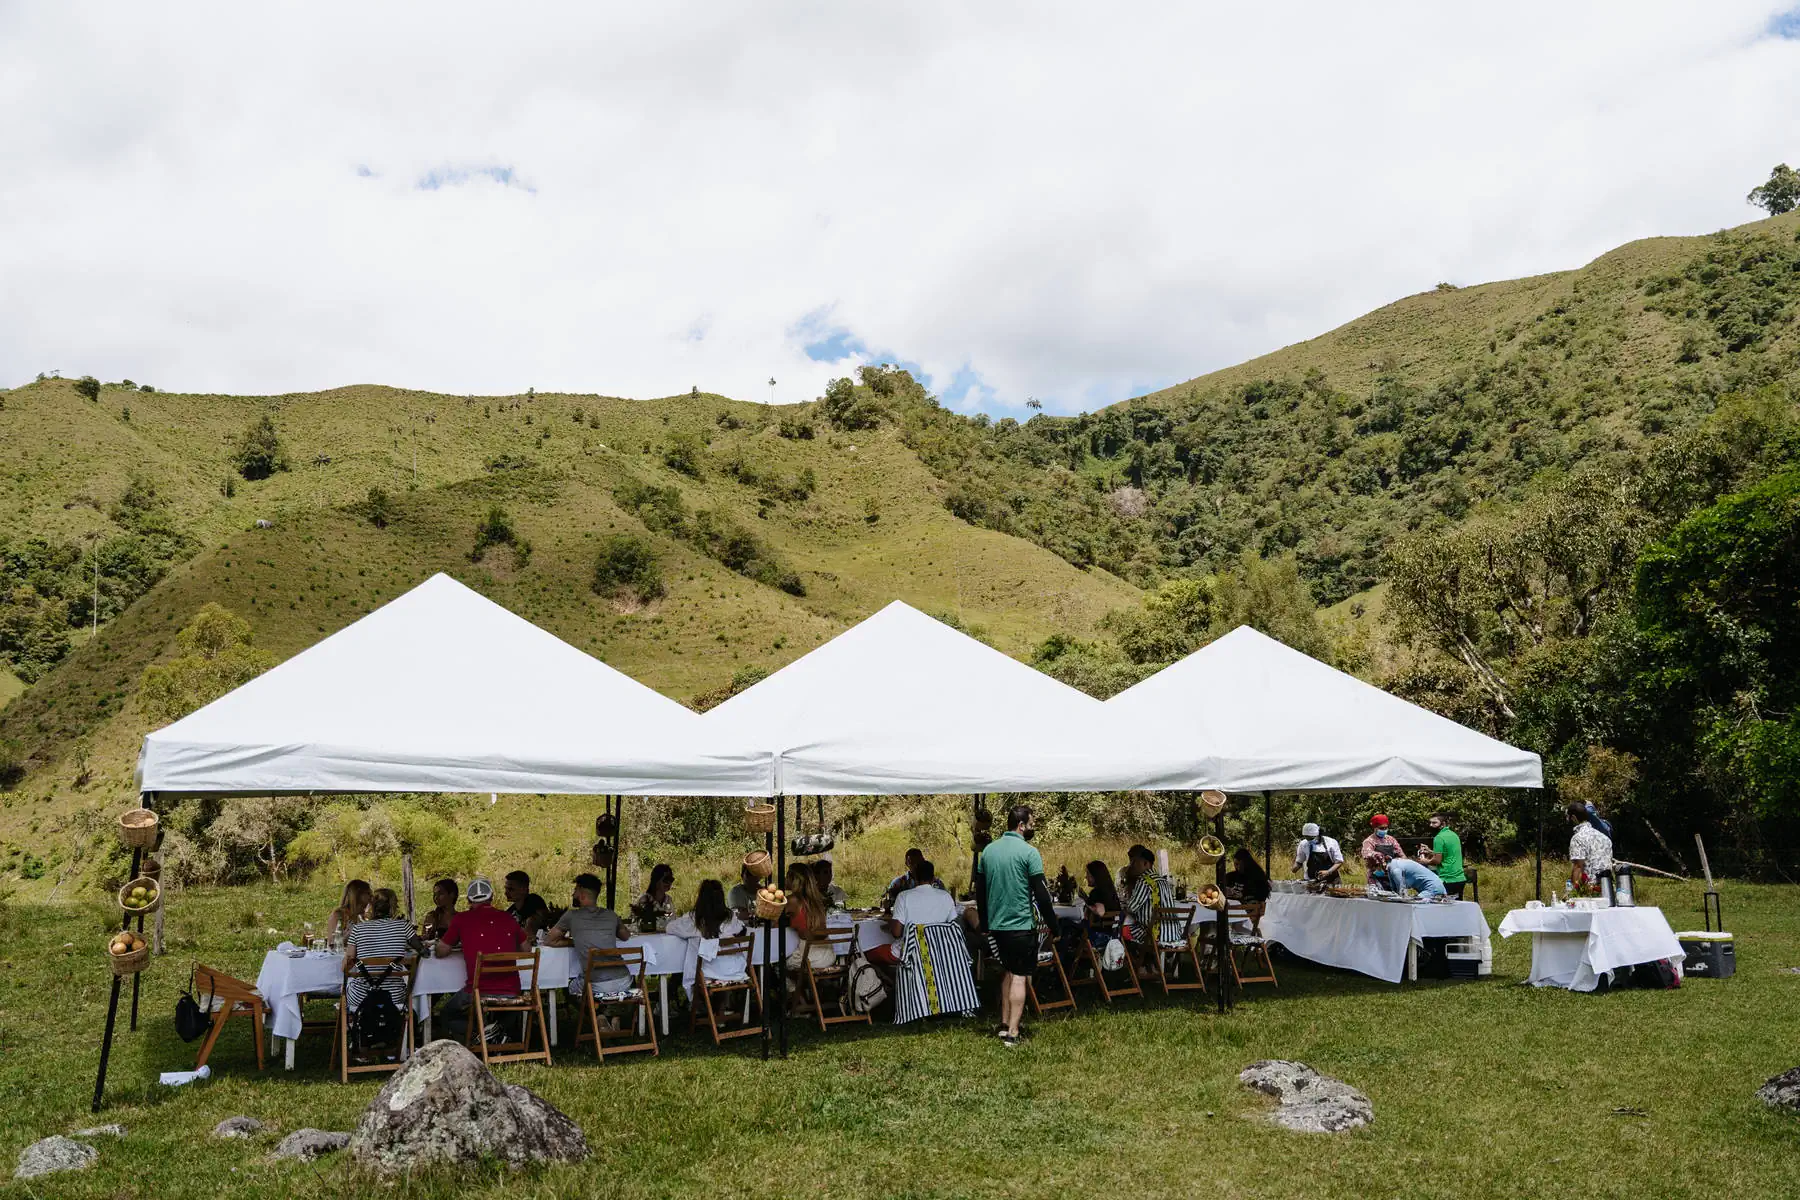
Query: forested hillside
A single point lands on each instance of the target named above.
(1527, 504)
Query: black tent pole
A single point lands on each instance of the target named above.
(149, 802)
(1538, 890)
(781, 922)
(612, 876)
(1223, 923)
(112, 1005)
(768, 963)
(1268, 835)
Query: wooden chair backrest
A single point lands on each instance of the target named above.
(209, 982)
(408, 969)
(508, 963)
(631, 958)
(1173, 917)
(841, 939)
(737, 946)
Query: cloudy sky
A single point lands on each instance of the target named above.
(1076, 202)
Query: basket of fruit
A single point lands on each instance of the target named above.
(141, 895)
(1211, 897)
(770, 903)
(759, 864)
(137, 828)
(1210, 850)
(759, 818)
(128, 952)
(1212, 803)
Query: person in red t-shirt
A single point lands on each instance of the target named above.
(479, 929)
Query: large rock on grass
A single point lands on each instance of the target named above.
(54, 1154)
(444, 1107)
(1783, 1091)
(1310, 1102)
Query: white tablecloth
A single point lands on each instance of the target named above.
(1370, 936)
(1572, 947)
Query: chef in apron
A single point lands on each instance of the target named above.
(1319, 858)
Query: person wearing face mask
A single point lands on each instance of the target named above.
(1009, 877)
(1445, 855)
(1319, 858)
(1378, 847)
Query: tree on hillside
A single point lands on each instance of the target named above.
(377, 509)
(88, 387)
(496, 529)
(215, 654)
(1185, 614)
(260, 453)
(1781, 194)
(627, 564)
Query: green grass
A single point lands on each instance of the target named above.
(1479, 1088)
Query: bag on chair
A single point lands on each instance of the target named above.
(1113, 957)
(867, 989)
(191, 1021)
(378, 1020)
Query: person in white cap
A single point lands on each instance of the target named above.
(1318, 857)
(479, 929)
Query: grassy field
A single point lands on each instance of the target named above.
(1478, 1087)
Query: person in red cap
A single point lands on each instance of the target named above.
(1379, 846)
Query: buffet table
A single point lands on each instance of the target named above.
(1572, 947)
(1376, 937)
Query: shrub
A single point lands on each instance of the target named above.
(260, 454)
(848, 407)
(376, 508)
(506, 462)
(496, 529)
(795, 429)
(88, 387)
(628, 564)
(660, 509)
(685, 453)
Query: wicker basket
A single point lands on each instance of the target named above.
(759, 864)
(1210, 850)
(604, 855)
(130, 963)
(155, 900)
(151, 868)
(137, 828)
(1212, 803)
(605, 825)
(767, 910)
(759, 818)
(1211, 897)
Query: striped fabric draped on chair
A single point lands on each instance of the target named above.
(936, 974)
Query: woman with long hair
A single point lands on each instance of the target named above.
(1246, 881)
(658, 902)
(1100, 904)
(710, 918)
(383, 934)
(352, 908)
(806, 912)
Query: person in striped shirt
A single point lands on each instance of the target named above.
(382, 935)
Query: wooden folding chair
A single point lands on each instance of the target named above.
(706, 991)
(1174, 926)
(843, 946)
(229, 997)
(1114, 926)
(639, 1033)
(406, 969)
(521, 997)
(1049, 965)
(1246, 948)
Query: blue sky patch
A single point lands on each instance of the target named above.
(442, 177)
(1786, 24)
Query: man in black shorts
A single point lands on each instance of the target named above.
(1008, 878)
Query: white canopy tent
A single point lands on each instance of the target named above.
(1260, 716)
(442, 690)
(903, 704)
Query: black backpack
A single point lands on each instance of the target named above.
(378, 1020)
(190, 1019)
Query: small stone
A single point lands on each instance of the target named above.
(237, 1127)
(308, 1144)
(1310, 1102)
(54, 1154)
(1783, 1091)
(101, 1131)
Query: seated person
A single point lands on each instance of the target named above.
(1144, 890)
(920, 904)
(1380, 844)
(834, 895)
(587, 925)
(382, 935)
(903, 880)
(806, 914)
(1246, 882)
(479, 929)
(443, 901)
(658, 901)
(1405, 874)
(535, 916)
(353, 907)
(521, 901)
(742, 897)
(1099, 903)
(711, 920)
(1318, 857)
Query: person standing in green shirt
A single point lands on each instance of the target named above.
(1009, 877)
(1445, 855)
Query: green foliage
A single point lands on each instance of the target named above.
(88, 387)
(686, 453)
(628, 565)
(745, 677)
(796, 429)
(214, 654)
(377, 509)
(849, 407)
(212, 840)
(1745, 286)
(1185, 614)
(370, 839)
(496, 529)
(506, 462)
(663, 510)
(771, 485)
(1780, 193)
(260, 453)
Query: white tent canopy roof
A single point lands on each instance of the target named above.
(442, 690)
(903, 704)
(1264, 717)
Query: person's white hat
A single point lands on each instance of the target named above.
(1307, 830)
(480, 890)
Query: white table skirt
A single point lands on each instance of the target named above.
(1572, 947)
(1370, 936)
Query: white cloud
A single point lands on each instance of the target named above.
(1072, 201)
